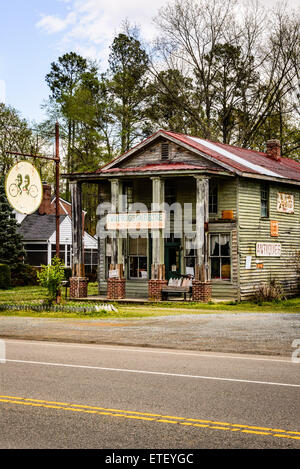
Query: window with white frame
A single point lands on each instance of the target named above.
(138, 258)
(108, 255)
(190, 256)
(220, 256)
(213, 197)
(36, 254)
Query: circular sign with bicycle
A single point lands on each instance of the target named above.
(23, 187)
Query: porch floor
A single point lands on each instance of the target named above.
(103, 299)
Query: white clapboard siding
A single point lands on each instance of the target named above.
(65, 235)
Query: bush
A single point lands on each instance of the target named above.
(24, 275)
(5, 277)
(51, 278)
(268, 291)
(68, 273)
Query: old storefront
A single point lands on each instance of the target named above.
(180, 207)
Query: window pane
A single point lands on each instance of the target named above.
(142, 246)
(264, 198)
(138, 246)
(133, 267)
(213, 197)
(225, 262)
(190, 249)
(87, 257)
(214, 245)
(215, 268)
(133, 246)
(225, 245)
(109, 247)
(143, 267)
(36, 247)
(37, 258)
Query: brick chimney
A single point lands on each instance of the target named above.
(274, 149)
(45, 207)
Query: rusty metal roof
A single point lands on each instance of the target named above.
(226, 157)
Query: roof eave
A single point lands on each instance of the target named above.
(282, 180)
(124, 174)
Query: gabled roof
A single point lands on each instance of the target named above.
(36, 227)
(41, 228)
(242, 161)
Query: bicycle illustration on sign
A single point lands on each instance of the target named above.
(16, 188)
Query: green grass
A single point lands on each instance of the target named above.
(36, 295)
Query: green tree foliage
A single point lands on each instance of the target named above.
(167, 96)
(11, 247)
(64, 79)
(127, 81)
(15, 135)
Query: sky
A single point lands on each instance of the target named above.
(34, 33)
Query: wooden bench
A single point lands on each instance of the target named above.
(180, 285)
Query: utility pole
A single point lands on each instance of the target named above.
(57, 161)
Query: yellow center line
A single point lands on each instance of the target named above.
(158, 418)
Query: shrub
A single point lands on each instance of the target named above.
(23, 275)
(268, 291)
(68, 273)
(51, 277)
(5, 277)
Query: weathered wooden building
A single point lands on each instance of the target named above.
(235, 223)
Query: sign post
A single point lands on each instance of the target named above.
(33, 192)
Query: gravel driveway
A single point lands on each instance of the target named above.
(255, 333)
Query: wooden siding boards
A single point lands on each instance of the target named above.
(177, 154)
(253, 229)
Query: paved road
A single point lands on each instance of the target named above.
(58, 395)
(259, 333)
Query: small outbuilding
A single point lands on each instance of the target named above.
(178, 206)
(38, 231)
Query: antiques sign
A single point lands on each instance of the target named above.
(268, 249)
(23, 187)
(135, 221)
(285, 203)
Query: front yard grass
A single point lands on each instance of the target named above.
(36, 295)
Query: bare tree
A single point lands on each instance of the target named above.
(242, 62)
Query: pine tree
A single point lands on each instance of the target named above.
(11, 247)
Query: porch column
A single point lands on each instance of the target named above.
(78, 281)
(49, 253)
(157, 280)
(201, 283)
(116, 285)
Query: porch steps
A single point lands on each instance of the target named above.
(133, 289)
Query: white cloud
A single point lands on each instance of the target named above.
(53, 24)
(2, 91)
(91, 25)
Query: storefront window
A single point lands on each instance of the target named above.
(190, 256)
(138, 258)
(108, 255)
(220, 257)
(128, 191)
